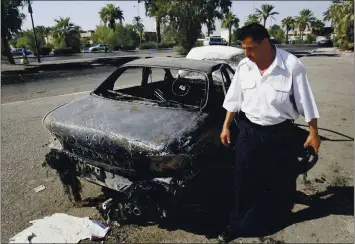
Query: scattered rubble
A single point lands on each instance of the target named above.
(39, 188)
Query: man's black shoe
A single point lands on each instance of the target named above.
(227, 236)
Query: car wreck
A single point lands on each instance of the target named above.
(146, 144)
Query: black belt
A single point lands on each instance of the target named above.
(287, 122)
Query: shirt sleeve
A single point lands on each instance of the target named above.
(233, 100)
(304, 99)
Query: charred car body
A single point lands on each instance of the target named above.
(148, 145)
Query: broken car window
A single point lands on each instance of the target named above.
(162, 86)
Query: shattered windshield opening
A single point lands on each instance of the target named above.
(159, 86)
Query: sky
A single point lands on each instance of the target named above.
(85, 13)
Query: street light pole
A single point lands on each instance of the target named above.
(138, 7)
(34, 31)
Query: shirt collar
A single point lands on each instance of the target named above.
(278, 60)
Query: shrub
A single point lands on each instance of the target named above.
(153, 45)
(26, 40)
(63, 51)
(45, 50)
(237, 43)
(311, 38)
(48, 45)
(128, 47)
(165, 45)
(199, 43)
(181, 50)
(148, 45)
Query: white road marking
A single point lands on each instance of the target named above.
(36, 99)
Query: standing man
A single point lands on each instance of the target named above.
(24, 56)
(270, 89)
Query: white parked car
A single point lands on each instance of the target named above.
(214, 40)
(98, 47)
(226, 54)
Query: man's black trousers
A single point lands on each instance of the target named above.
(264, 177)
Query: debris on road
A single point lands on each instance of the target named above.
(39, 188)
(61, 228)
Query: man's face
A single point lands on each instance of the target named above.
(253, 49)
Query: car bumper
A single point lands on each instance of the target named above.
(102, 174)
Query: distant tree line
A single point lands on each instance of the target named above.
(178, 23)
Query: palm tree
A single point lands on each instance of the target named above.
(211, 13)
(47, 32)
(62, 28)
(288, 23)
(341, 15)
(156, 9)
(252, 18)
(304, 20)
(317, 27)
(66, 33)
(110, 14)
(265, 12)
(229, 21)
(138, 25)
(43, 31)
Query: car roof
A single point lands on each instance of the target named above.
(214, 52)
(206, 66)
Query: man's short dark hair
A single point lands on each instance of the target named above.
(254, 30)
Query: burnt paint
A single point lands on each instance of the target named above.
(113, 132)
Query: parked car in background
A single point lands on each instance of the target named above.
(325, 43)
(19, 52)
(223, 54)
(214, 40)
(275, 41)
(98, 47)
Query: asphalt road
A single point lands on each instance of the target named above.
(55, 86)
(24, 143)
(290, 48)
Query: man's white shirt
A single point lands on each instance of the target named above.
(282, 92)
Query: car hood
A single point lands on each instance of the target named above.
(95, 122)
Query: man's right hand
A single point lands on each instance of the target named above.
(226, 137)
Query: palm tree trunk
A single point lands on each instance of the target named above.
(112, 25)
(229, 34)
(157, 22)
(5, 49)
(264, 22)
(286, 35)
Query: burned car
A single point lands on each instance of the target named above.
(149, 137)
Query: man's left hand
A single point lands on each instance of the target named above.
(313, 140)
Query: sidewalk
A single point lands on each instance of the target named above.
(332, 51)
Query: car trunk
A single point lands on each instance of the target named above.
(113, 131)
